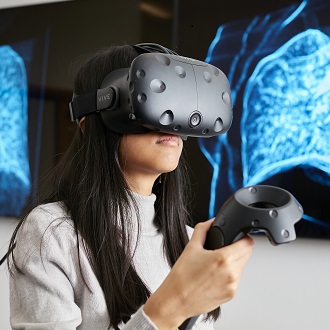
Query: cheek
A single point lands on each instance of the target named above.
(131, 153)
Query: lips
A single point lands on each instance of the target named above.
(169, 140)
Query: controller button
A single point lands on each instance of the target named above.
(140, 73)
(226, 98)
(180, 71)
(131, 116)
(207, 76)
(222, 222)
(273, 214)
(252, 190)
(163, 59)
(255, 223)
(205, 131)
(195, 119)
(142, 97)
(218, 125)
(166, 117)
(157, 86)
(285, 233)
(216, 71)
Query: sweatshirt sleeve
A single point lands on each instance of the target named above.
(41, 295)
(139, 321)
(47, 293)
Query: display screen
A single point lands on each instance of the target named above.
(22, 76)
(278, 66)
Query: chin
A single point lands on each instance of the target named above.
(169, 169)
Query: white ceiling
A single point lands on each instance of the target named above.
(19, 3)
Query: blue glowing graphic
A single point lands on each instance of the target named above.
(278, 66)
(286, 110)
(14, 164)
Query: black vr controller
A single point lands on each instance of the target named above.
(257, 208)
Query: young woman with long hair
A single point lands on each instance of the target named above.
(109, 247)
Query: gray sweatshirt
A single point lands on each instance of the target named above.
(52, 295)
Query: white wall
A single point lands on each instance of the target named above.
(18, 3)
(7, 226)
(286, 287)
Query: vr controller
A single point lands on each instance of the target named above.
(257, 208)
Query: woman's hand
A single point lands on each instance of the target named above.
(200, 280)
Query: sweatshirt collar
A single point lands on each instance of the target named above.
(146, 205)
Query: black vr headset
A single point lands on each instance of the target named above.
(161, 91)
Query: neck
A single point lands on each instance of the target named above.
(142, 185)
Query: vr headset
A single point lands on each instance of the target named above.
(161, 91)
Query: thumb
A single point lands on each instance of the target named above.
(200, 231)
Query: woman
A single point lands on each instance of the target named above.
(108, 247)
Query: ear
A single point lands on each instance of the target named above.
(82, 124)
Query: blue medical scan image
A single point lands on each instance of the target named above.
(23, 59)
(14, 159)
(278, 66)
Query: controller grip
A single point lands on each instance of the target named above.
(214, 239)
(222, 233)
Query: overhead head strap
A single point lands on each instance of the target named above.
(152, 48)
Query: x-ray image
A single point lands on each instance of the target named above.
(14, 159)
(22, 82)
(278, 66)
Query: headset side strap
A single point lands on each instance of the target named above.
(83, 105)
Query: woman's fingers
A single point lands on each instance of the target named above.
(200, 280)
(200, 231)
(239, 249)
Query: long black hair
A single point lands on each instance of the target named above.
(90, 183)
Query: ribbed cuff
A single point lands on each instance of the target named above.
(140, 321)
